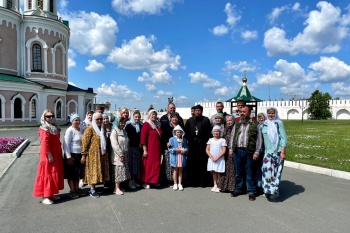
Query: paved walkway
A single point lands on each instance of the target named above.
(308, 202)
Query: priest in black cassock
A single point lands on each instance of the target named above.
(198, 132)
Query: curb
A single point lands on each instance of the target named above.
(318, 170)
(13, 156)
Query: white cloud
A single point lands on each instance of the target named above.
(291, 77)
(150, 87)
(231, 21)
(330, 69)
(63, 4)
(339, 89)
(71, 62)
(325, 29)
(92, 33)
(181, 99)
(139, 53)
(202, 78)
(131, 7)
(240, 66)
(296, 6)
(249, 35)
(222, 91)
(276, 12)
(118, 92)
(164, 93)
(298, 90)
(220, 30)
(232, 16)
(285, 74)
(156, 77)
(94, 66)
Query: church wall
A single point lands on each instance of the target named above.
(8, 45)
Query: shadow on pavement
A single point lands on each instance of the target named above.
(287, 190)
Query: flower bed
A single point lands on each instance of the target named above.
(9, 145)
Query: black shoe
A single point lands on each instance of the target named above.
(235, 194)
(94, 194)
(251, 197)
(267, 195)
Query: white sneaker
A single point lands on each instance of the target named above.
(180, 187)
(47, 201)
(175, 187)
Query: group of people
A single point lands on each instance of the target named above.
(231, 155)
(248, 154)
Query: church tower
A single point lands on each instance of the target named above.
(46, 7)
(10, 4)
(34, 65)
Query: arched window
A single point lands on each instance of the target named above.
(17, 108)
(9, 4)
(51, 6)
(33, 109)
(89, 106)
(40, 4)
(30, 6)
(37, 58)
(59, 110)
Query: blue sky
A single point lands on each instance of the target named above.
(136, 52)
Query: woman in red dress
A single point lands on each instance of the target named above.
(151, 159)
(49, 179)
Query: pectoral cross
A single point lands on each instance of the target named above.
(196, 131)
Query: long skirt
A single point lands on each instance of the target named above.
(227, 180)
(135, 154)
(271, 172)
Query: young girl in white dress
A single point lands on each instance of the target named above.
(216, 148)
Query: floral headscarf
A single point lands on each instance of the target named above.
(46, 126)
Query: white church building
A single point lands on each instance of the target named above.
(34, 65)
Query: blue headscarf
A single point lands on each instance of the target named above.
(132, 121)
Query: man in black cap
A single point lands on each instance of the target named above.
(198, 132)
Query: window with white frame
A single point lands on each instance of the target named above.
(33, 109)
(59, 110)
(36, 52)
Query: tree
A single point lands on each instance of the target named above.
(319, 106)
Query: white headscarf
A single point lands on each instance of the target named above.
(154, 126)
(272, 131)
(99, 132)
(178, 127)
(86, 120)
(216, 127)
(132, 120)
(46, 126)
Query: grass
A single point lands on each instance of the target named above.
(324, 143)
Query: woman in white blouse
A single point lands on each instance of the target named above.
(73, 169)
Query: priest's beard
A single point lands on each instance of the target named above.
(244, 119)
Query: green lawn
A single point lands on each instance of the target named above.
(324, 143)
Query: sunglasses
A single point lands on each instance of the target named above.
(50, 116)
(99, 119)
